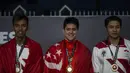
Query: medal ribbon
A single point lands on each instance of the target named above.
(72, 54)
(20, 52)
(116, 53)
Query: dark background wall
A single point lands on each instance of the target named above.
(48, 30)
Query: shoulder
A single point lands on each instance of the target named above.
(83, 46)
(8, 44)
(32, 42)
(55, 46)
(33, 46)
(126, 41)
(101, 44)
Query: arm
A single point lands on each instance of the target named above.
(90, 63)
(50, 65)
(36, 66)
(95, 61)
(0, 63)
(46, 69)
(84, 62)
(128, 46)
(1, 66)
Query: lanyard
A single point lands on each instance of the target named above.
(72, 54)
(20, 52)
(116, 53)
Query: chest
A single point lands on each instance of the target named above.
(106, 53)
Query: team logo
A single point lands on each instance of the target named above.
(104, 53)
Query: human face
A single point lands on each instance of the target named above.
(20, 27)
(70, 32)
(113, 29)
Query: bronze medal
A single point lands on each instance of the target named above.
(18, 68)
(114, 67)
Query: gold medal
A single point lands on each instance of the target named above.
(114, 67)
(69, 69)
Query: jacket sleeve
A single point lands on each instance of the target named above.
(95, 60)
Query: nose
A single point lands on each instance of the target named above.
(114, 29)
(71, 31)
(20, 27)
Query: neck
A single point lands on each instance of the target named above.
(114, 41)
(70, 40)
(20, 41)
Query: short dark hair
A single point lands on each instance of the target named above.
(112, 18)
(19, 16)
(72, 20)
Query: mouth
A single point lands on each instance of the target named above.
(71, 35)
(114, 33)
(20, 32)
